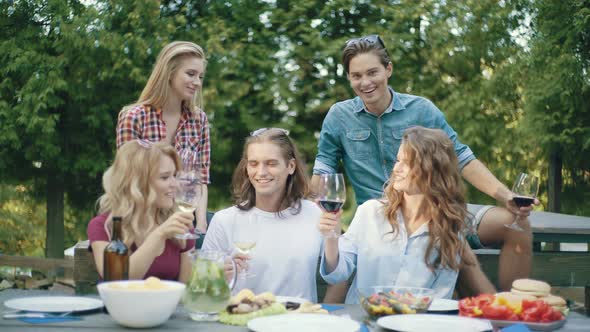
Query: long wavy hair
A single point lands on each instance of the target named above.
(128, 187)
(157, 88)
(297, 186)
(434, 169)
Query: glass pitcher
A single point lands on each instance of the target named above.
(207, 292)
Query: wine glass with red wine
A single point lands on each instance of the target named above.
(331, 194)
(525, 191)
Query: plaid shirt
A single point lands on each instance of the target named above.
(146, 122)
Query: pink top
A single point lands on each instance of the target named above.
(166, 266)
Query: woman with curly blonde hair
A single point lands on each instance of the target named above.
(140, 187)
(413, 236)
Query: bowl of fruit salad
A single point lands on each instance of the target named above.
(387, 300)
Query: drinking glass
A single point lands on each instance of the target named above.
(331, 194)
(244, 239)
(188, 194)
(207, 292)
(525, 190)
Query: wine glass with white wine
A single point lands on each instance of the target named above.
(245, 234)
(188, 194)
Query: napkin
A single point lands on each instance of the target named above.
(332, 307)
(46, 320)
(516, 328)
(364, 328)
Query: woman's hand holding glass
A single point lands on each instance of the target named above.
(188, 194)
(178, 223)
(331, 195)
(330, 224)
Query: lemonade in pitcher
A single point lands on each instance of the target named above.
(207, 291)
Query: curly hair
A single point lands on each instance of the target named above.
(128, 187)
(297, 186)
(434, 170)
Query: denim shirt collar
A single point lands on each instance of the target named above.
(395, 105)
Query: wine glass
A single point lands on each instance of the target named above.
(331, 194)
(188, 194)
(525, 191)
(245, 233)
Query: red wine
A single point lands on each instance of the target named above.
(331, 206)
(521, 201)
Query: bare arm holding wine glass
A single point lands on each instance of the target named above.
(330, 223)
(476, 173)
(141, 260)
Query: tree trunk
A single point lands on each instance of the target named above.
(555, 182)
(54, 241)
(554, 191)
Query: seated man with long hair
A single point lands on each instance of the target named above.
(269, 187)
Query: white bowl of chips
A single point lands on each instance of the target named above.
(141, 303)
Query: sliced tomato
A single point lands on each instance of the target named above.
(497, 312)
(483, 300)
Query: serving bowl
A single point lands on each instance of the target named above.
(380, 301)
(139, 303)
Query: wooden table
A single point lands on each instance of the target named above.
(181, 322)
(563, 228)
(559, 268)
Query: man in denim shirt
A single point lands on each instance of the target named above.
(365, 134)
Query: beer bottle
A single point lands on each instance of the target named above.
(116, 255)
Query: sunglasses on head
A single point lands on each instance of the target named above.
(371, 39)
(263, 130)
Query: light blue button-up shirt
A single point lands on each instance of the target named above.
(382, 259)
(368, 144)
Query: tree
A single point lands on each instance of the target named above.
(66, 71)
(557, 91)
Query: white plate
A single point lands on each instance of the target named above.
(285, 299)
(433, 323)
(54, 303)
(533, 326)
(303, 322)
(443, 305)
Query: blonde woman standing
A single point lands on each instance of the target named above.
(140, 187)
(169, 110)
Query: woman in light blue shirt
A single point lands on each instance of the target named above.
(413, 235)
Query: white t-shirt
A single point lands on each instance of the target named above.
(285, 258)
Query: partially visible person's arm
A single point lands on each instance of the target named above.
(329, 148)
(128, 126)
(330, 224)
(153, 246)
(202, 210)
(204, 166)
(481, 178)
(98, 253)
(185, 267)
(476, 172)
